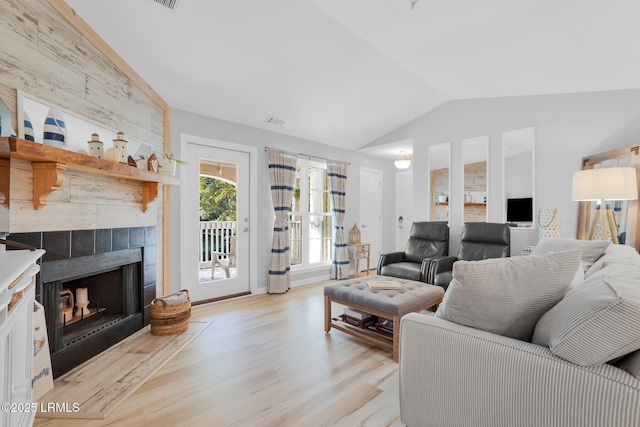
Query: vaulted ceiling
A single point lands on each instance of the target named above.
(345, 72)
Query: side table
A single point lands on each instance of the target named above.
(360, 251)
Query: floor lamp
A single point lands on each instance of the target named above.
(604, 184)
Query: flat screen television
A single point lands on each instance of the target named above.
(520, 210)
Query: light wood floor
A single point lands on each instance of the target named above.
(265, 361)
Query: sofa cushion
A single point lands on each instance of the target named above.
(615, 254)
(507, 296)
(597, 321)
(631, 364)
(591, 249)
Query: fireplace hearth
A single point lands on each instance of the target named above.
(115, 272)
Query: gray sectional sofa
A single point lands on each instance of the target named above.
(561, 355)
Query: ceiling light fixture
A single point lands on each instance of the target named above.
(403, 161)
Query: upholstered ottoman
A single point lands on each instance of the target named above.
(390, 304)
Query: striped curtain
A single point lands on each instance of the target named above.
(282, 175)
(338, 186)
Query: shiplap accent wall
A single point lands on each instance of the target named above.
(84, 201)
(439, 185)
(43, 55)
(475, 179)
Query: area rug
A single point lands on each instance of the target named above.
(95, 388)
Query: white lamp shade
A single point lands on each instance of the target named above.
(605, 184)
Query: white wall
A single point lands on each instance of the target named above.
(193, 124)
(568, 127)
(516, 167)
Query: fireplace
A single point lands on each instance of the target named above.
(112, 283)
(113, 269)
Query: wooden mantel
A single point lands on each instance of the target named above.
(49, 164)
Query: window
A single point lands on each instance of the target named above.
(310, 220)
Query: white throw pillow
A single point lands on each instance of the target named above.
(507, 296)
(591, 249)
(597, 321)
(615, 254)
(579, 277)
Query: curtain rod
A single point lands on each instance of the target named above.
(309, 155)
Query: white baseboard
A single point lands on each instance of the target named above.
(260, 291)
(309, 280)
(319, 277)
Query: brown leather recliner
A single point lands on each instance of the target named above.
(427, 240)
(480, 240)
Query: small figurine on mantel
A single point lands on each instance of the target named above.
(354, 235)
(96, 147)
(153, 163)
(120, 144)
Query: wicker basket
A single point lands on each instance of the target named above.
(170, 319)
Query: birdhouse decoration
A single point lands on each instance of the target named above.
(96, 147)
(354, 235)
(120, 144)
(153, 163)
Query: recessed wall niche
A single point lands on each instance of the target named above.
(475, 152)
(439, 181)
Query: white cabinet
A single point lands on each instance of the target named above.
(17, 291)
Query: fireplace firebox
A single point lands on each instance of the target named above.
(109, 272)
(112, 284)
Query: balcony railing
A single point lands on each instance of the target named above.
(215, 236)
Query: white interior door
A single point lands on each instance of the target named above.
(371, 211)
(201, 286)
(404, 208)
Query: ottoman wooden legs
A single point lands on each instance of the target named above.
(327, 314)
(390, 342)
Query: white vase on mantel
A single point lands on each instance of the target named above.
(55, 130)
(167, 167)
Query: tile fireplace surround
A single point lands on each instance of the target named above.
(66, 250)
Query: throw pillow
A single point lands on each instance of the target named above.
(507, 296)
(631, 364)
(579, 277)
(591, 249)
(615, 254)
(597, 321)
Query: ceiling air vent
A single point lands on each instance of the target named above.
(276, 121)
(171, 4)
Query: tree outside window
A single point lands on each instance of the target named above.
(217, 200)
